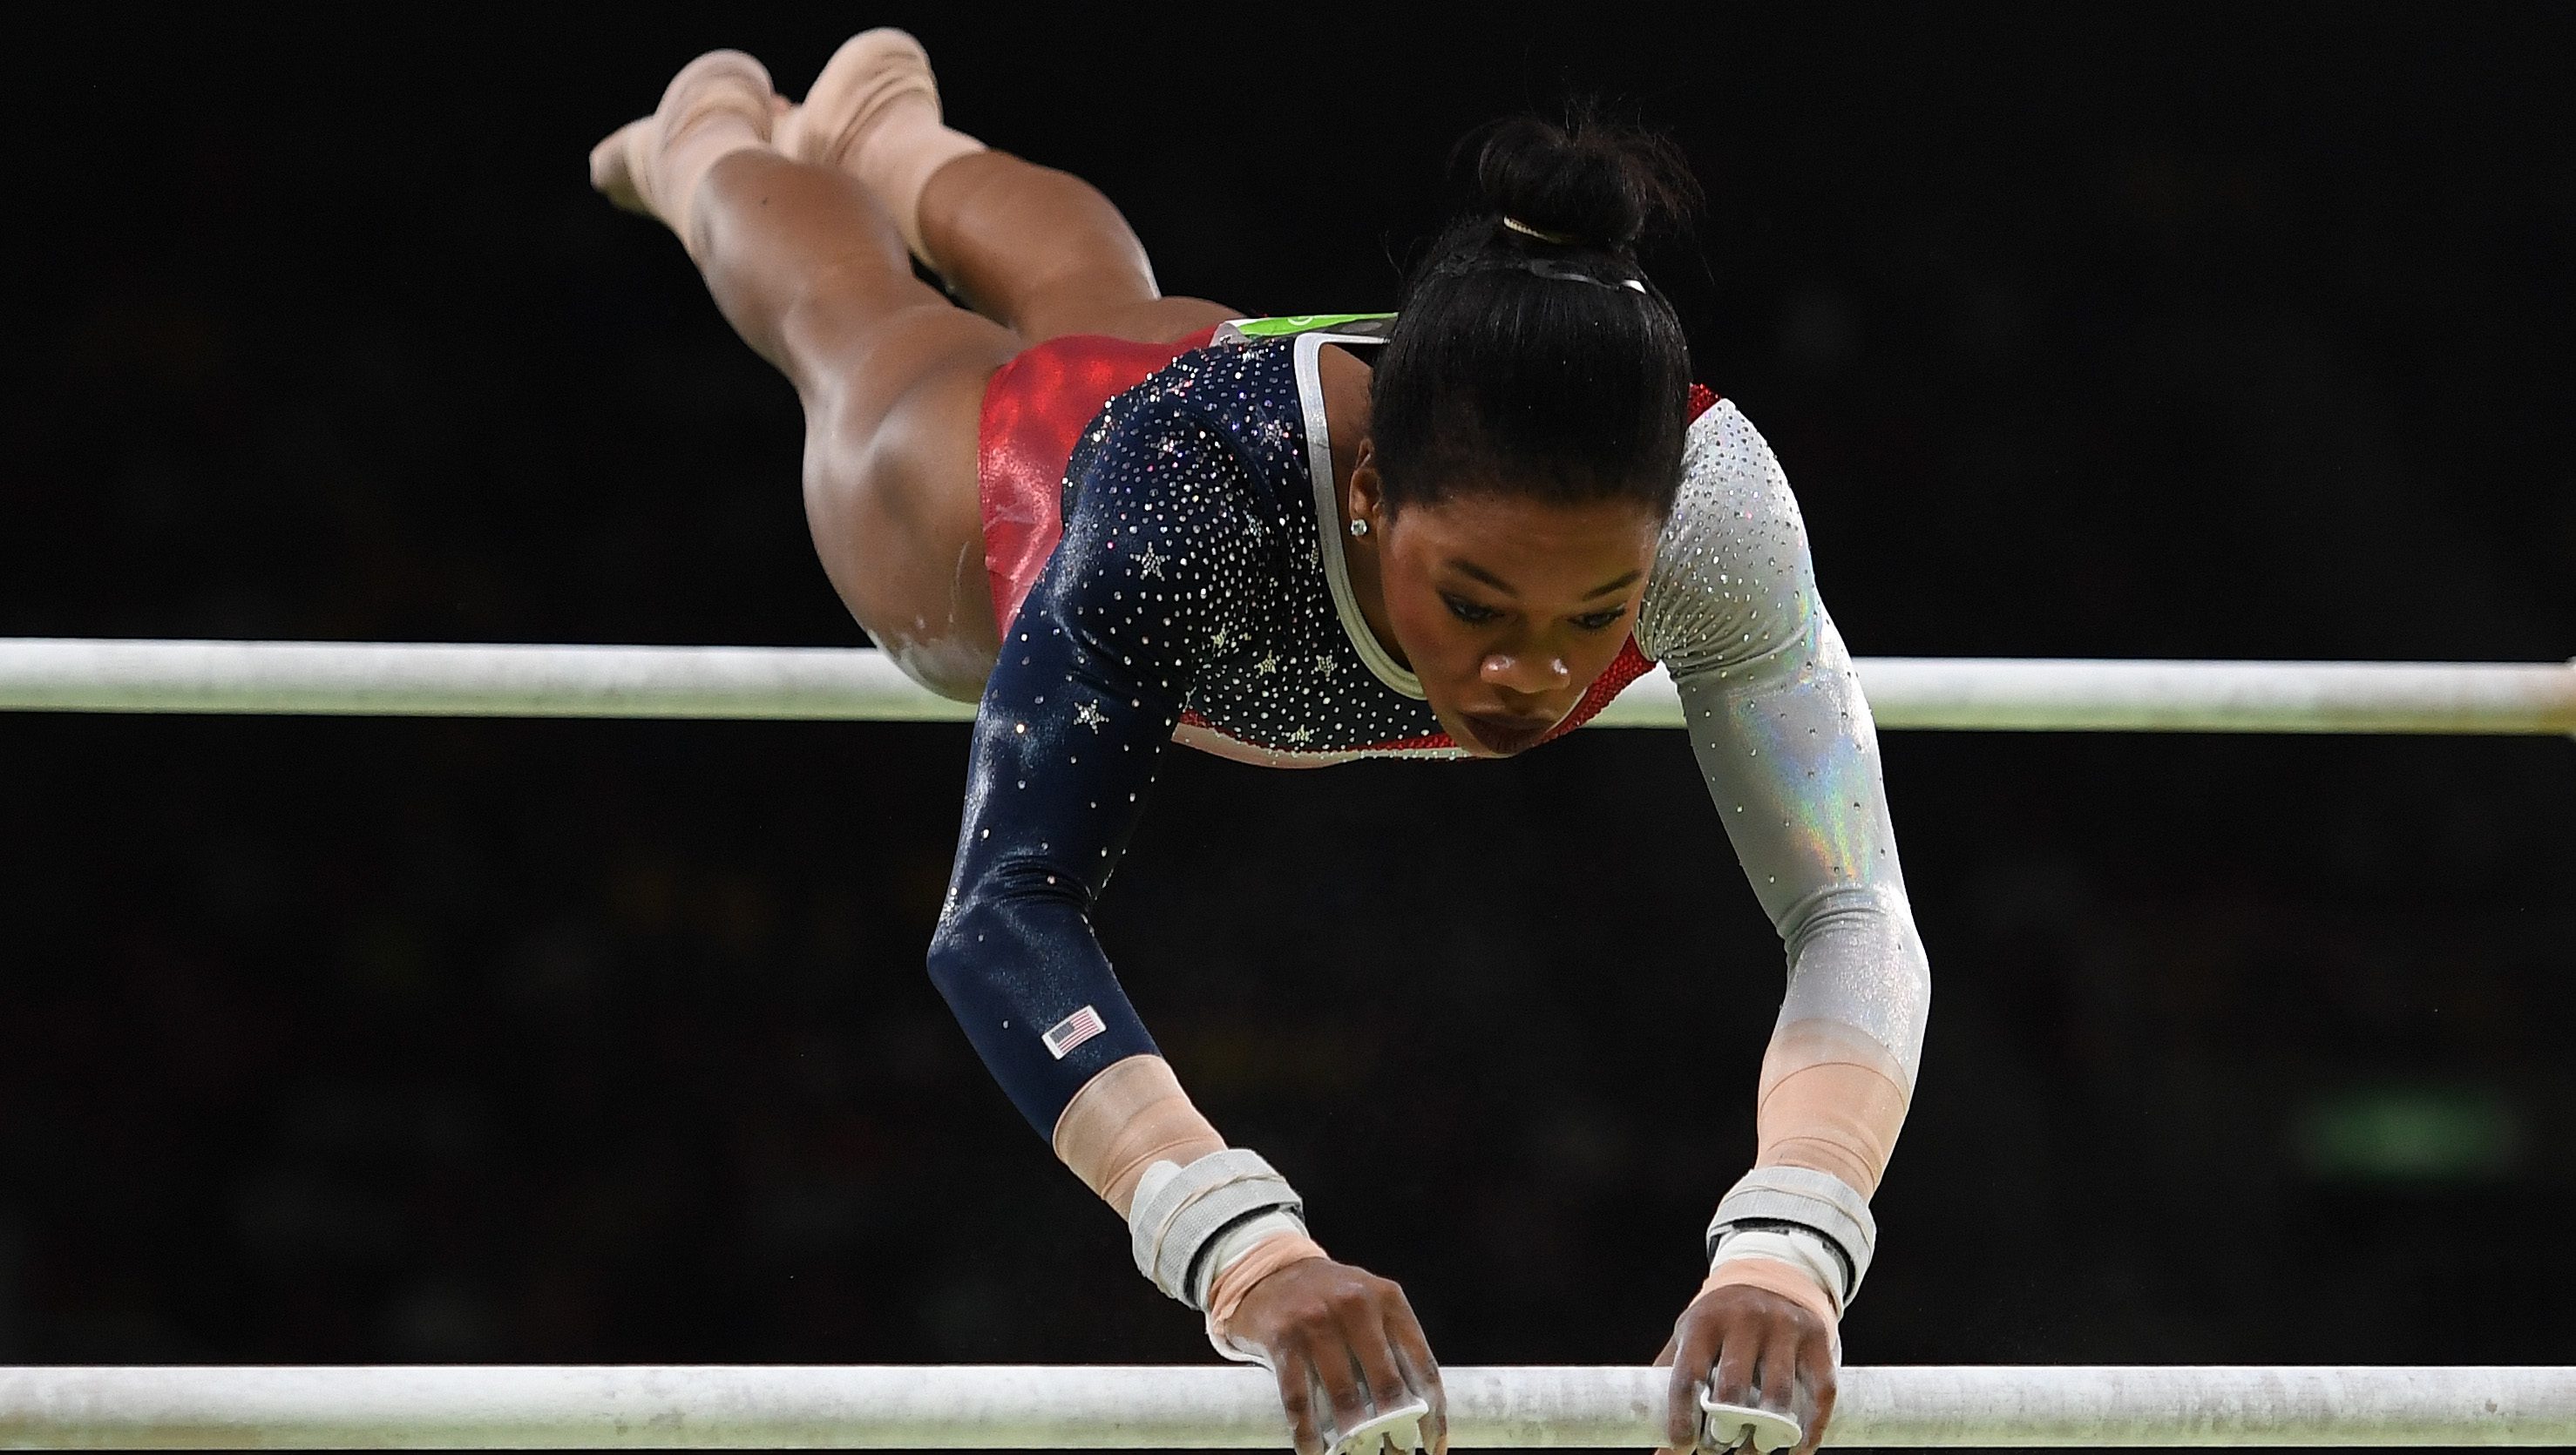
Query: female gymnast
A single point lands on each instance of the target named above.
(1119, 520)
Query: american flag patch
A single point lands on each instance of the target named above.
(1072, 1031)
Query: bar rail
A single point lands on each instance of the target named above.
(65, 674)
(1077, 1407)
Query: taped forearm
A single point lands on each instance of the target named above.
(1837, 1077)
(1831, 1104)
(1131, 1118)
(1832, 1099)
(1124, 1120)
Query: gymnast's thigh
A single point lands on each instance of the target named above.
(891, 468)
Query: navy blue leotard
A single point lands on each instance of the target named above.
(1196, 590)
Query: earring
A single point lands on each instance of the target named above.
(1359, 528)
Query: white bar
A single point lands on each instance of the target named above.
(2206, 1405)
(427, 679)
(418, 679)
(455, 1407)
(2039, 694)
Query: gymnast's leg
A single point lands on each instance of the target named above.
(809, 269)
(1040, 251)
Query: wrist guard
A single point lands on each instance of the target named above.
(1180, 1213)
(1797, 1197)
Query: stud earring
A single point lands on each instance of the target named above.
(1359, 528)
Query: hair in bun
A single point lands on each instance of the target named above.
(1532, 354)
(1602, 185)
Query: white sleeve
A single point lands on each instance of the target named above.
(1784, 738)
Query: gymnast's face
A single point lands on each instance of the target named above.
(1507, 606)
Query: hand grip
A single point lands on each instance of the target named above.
(1744, 1427)
(1399, 1428)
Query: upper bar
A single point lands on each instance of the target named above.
(458, 1407)
(438, 680)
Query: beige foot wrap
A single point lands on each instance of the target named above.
(719, 104)
(874, 114)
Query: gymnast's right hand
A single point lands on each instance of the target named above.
(1347, 1351)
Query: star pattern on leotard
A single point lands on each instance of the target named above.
(1192, 563)
(1196, 553)
(1189, 598)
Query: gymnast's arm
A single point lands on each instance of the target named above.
(1786, 744)
(1092, 677)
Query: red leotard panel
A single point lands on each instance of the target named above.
(1035, 410)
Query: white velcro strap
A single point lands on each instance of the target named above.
(1803, 1249)
(1229, 1247)
(1802, 1197)
(1177, 1215)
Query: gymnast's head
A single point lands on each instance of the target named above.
(1525, 435)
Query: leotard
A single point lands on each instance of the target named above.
(1197, 595)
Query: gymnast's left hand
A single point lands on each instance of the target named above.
(1749, 1346)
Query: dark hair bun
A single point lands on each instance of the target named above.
(1604, 184)
(1537, 359)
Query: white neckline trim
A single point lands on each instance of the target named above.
(1328, 515)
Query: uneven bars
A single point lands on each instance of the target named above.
(456, 1407)
(404, 679)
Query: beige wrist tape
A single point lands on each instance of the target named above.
(1805, 1250)
(1256, 1263)
(1124, 1120)
(1832, 1100)
(1790, 1282)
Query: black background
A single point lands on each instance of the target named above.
(2111, 331)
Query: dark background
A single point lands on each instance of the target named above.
(2128, 331)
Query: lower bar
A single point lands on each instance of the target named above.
(460, 1407)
